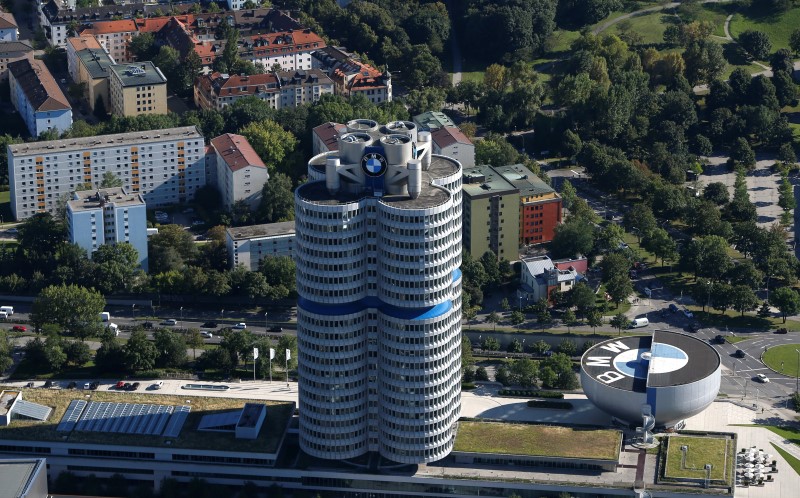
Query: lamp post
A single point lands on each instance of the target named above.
(797, 377)
(745, 388)
(520, 301)
(265, 322)
(181, 316)
(133, 312)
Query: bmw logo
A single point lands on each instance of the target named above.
(373, 164)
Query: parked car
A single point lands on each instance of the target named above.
(19, 328)
(197, 223)
(157, 385)
(762, 378)
(126, 386)
(120, 385)
(48, 384)
(276, 329)
(93, 386)
(147, 325)
(171, 322)
(694, 327)
(687, 313)
(134, 386)
(673, 308)
(719, 339)
(739, 354)
(240, 326)
(206, 334)
(29, 384)
(72, 385)
(210, 325)
(782, 330)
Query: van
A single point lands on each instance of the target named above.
(105, 316)
(3, 315)
(113, 327)
(639, 322)
(9, 310)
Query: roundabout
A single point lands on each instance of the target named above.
(783, 359)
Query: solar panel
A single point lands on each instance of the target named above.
(162, 422)
(71, 416)
(32, 410)
(176, 421)
(225, 421)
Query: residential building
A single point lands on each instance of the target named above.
(248, 245)
(9, 32)
(89, 64)
(291, 50)
(240, 173)
(378, 255)
(433, 120)
(38, 98)
(137, 89)
(108, 216)
(491, 214)
(451, 142)
(540, 205)
(235, 4)
(24, 477)
(351, 76)
(279, 90)
(166, 166)
(115, 37)
(11, 51)
(539, 277)
(325, 137)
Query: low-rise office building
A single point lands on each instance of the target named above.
(108, 216)
(9, 30)
(24, 477)
(539, 277)
(451, 142)
(136, 89)
(11, 51)
(89, 64)
(248, 245)
(38, 98)
(166, 166)
(240, 173)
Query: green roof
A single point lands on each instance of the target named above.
(139, 73)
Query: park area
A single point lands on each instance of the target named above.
(783, 359)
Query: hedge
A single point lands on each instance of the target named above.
(557, 405)
(531, 393)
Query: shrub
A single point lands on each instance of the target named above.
(556, 405)
(532, 393)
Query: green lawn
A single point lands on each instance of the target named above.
(560, 41)
(649, 26)
(532, 440)
(793, 462)
(785, 355)
(701, 450)
(472, 76)
(777, 27)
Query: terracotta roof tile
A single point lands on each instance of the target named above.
(236, 151)
(329, 132)
(38, 85)
(84, 41)
(7, 21)
(449, 135)
(106, 27)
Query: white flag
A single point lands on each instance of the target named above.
(255, 353)
(288, 354)
(271, 354)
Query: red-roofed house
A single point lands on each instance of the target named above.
(451, 142)
(351, 76)
(324, 137)
(8, 27)
(38, 98)
(291, 49)
(114, 36)
(240, 173)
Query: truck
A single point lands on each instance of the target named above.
(105, 316)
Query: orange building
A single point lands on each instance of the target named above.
(540, 205)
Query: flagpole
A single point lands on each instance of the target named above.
(288, 352)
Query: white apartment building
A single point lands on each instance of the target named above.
(291, 50)
(165, 166)
(248, 245)
(108, 216)
(114, 36)
(378, 255)
(240, 173)
(280, 89)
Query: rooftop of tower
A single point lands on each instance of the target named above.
(431, 195)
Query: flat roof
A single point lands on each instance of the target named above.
(538, 440)
(268, 440)
(524, 179)
(99, 141)
(7, 399)
(661, 360)
(259, 231)
(485, 181)
(85, 200)
(433, 120)
(96, 61)
(250, 414)
(16, 476)
(138, 74)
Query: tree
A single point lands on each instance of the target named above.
(620, 321)
(782, 62)
(743, 155)
(116, 267)
(544, 318)
(619, 288)
(110, 357)
(76, 309)
(582, 297)
(756, 43)
(491, 344)
(517, 318)
(721, 296)
(467, 359)
(140, 353)
(560, 373)
(743, 298)
(794, 41)
(425, 99)
(704, 61)
(171, 348)
(277, 200)
(539, 348)
(640, 219)
(76, 353)
(569, 318)
(594, 319)
(217, 359)
(786, 300)
(567, 347)
(194, 340)
(707, 256)
(287, 342)
(661, 244)
(786, 198)
(786, 154)
(524, 372)
(716, 192)
(271, 142)
(493, 318)
(572, 239)
(515, 346)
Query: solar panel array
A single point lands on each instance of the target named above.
(176, 421)
(124, 418)
(32, 410)
(72, 415)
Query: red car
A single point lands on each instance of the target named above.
(19, 328)
(120, 385)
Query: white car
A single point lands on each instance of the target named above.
(171, 322)
(157, 385)
(762, 378)
(240, 326)
(688, 313)
(206, 334)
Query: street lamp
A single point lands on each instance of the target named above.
(133, 312)
(797, 377)
(181, 316)
(520, 301)
(265, 322)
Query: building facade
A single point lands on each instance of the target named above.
(137, 89)
(248, 245)
(9, 32)
(114, 37)
(539, 277)
(378, 255)
(451, 142)
(89, 64)
(11, 52)
(240, 173)
(291, 50)
(491, 214)
(540, 206)
(353, 77)
(38, 98)
(166, 166)
(108, 216)
(280, 89)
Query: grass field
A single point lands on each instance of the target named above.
(532, 440)
(272, 431)
(785, 354)
(793, 462)
(777, 27)
(649, 26)
(701, 451)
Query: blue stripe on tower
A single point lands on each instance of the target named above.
(423, 313)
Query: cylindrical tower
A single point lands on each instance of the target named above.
(379, 307)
